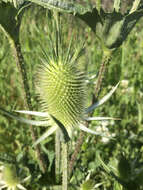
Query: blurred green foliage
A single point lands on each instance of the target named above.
(127, 146)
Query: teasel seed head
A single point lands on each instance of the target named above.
(62, 91)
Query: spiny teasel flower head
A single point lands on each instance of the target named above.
(9, 178)
(62, 91)
(10, 175)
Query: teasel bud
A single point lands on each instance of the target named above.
(62, 90)
(9, 176)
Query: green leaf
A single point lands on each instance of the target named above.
(98, 5)
(84, 128)
(135, 6)
(10, 17)
(15, 3)
(63, 6)
(7, 158)
(35, 113)
(8, 20)
(116, 27)
(91, 18)
(46, 134)
(51, 156)
(117, 5)
(66, 137)
(100, 118)
(124, 168)
(112, 28)
(86, 13)
(106, 167)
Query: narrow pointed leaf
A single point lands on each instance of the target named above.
(62, 127)
(41, 114)
(98, 5)
(100, 118)
(23, 120)
(107, 169)
(117, 5)
(3, 186)
(135, 6)
(84, 128)
(46, 134)
(93, 77)
(98, 185)
(26, 179)
(102, 101)
(90, 82)
(21, 187)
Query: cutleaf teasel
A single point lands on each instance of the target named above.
(61, 86)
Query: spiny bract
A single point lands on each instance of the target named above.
(61, 87)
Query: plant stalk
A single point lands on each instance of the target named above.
(57, 155)
(76, 151)
(105, 61)
(65, 165)
(16, 47)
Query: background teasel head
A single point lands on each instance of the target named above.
(61, 86)
(9, 178)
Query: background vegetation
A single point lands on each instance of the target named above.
(124, 154)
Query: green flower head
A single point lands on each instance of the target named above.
(62, 90)
(9, 178)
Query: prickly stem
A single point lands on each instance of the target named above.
(65, 166)
(104, 63)
(76, 151)
(15, 45)
(57, 155)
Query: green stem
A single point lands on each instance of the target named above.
(76, 151)
(123, 55)
(65, 165)
(57, 156)
(105, 61)
(20, 63)
(15, 45)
